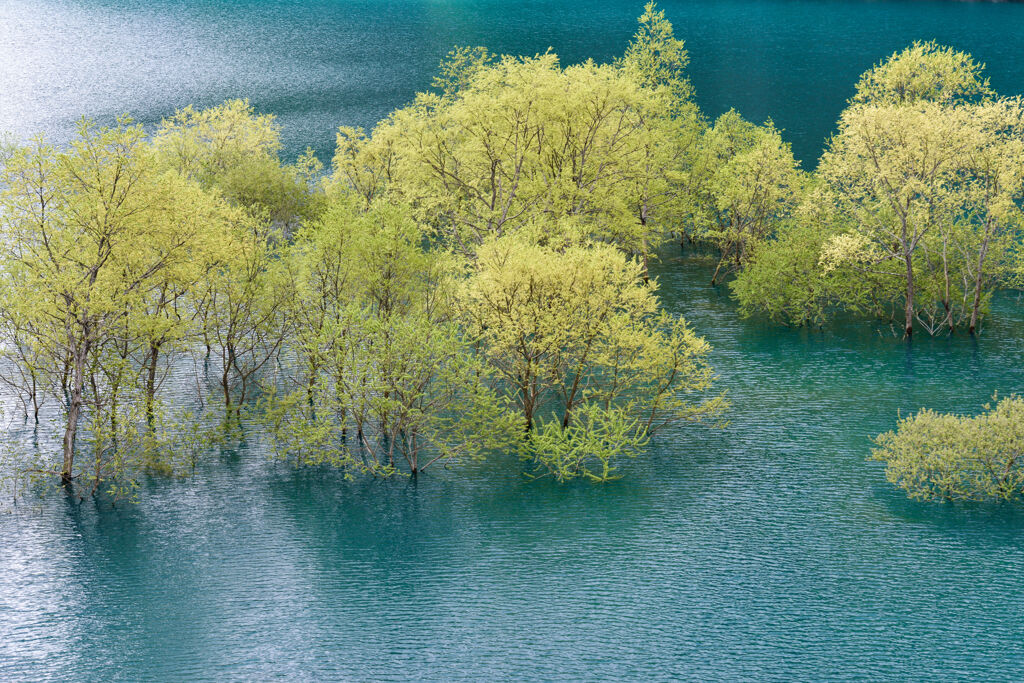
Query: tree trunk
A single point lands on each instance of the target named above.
(909, 311)
(74, 411)
(226, 387)
(35, 397)
(946, 299)
(643, 223)
(225, 378)
(154, 356)
(714, 278)
(977, 284)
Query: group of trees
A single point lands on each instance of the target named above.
(914, 212)
(121, 253)
(471, 276)
(469, 279)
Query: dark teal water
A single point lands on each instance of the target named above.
(770, 550)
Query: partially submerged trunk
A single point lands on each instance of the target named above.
(976, 305)
(74, 412)
(909, 308)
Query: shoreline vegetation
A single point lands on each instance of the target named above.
(471, 276)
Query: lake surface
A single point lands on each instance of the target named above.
(769, 550)
(318, 64)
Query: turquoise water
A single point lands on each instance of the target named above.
(769, 550)
(321, 63)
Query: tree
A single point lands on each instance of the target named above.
(924, 72)
(591, 446)
(363, 166)
(579, 340)
(510, 142)
(782, 278)
(234, 150)
(749, 185)
(656, 58)
(993, 194)
(664, 186)
(926, 170)
(87, 234)
(956, 457)
(933, 195)
(893, 171)
(242, 307)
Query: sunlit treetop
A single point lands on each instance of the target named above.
(210, 142)
(924, 72)
(655, 57)
(459, 66)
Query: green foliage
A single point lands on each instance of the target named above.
(518, 142)
(569, 328)
(459, 67)
(783, 281)
(234, 150)
(933, 197)
(936, 456)
(209, 143)
(749, 184)
(924, 72)
(785, 277)
(88, 235)
(463, 283)
(363, 166)
(656, 58)
(382, 374)
(122, 443)
(921, 190)
(241, 307)
(591, 446)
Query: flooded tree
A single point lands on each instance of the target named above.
(580, 341)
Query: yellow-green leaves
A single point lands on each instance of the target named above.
(383, 379)
(209, 142)
(98, 240)
(932, 192)
(464, 277)
(656, 58)
(918, 204)
(519, 141)
(937, 456)
(459, 67)
(233, 150)
(924, 72)
(748, 183)
(579, 342)
(592, 446)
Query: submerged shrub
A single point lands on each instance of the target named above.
(591, 446)
(956, 457)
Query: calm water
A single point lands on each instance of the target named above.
(768, 550)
